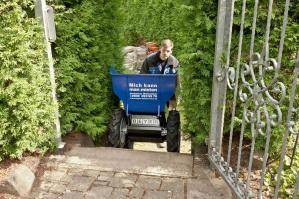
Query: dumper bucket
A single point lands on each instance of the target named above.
(143, 93)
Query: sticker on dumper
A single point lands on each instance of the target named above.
(143, 91)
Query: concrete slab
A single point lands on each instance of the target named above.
(148, 146)
(130, 161)
(202, 188)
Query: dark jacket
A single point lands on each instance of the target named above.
(154, 65)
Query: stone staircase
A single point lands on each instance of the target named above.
(101, 172)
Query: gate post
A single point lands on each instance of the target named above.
(43, 12)
(222, 50)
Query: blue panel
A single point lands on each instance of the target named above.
(143, 93)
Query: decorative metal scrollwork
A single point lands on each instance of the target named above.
(261, 92)
(231, 78)
(220, 76)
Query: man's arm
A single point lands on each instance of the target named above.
(144, 67)
(176, 66)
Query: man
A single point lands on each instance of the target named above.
(162, 62)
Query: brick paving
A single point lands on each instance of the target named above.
(65, 180)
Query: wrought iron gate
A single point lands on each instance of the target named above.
(259, 99)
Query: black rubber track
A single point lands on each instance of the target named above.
(114, 128)
(173, 131)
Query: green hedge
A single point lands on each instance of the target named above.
(191, 25)
(88, 41)
(26, 108)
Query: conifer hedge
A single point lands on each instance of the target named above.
(191, 25)
(88, 41)
(26, 107)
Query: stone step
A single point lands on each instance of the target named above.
(130, 161)
(123, 173)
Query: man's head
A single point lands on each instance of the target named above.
(166, 49)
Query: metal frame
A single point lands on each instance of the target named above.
(261, 109)
(46, 15)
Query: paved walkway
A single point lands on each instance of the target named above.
(120, 173)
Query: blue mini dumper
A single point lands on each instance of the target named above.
(144, 97)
